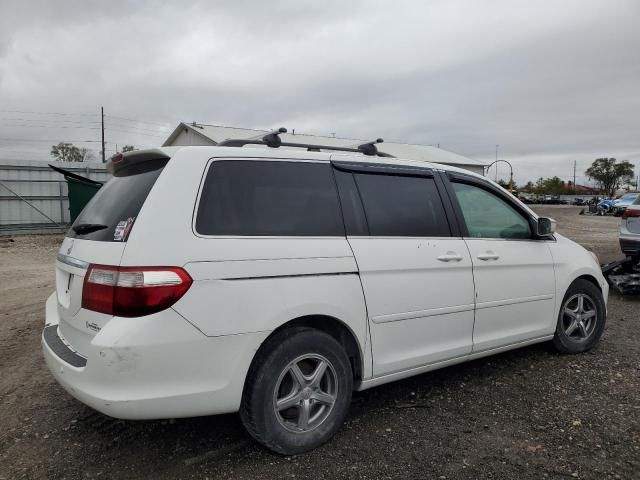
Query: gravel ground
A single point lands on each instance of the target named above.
(526, 414)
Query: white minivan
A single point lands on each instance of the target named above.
(275, 281)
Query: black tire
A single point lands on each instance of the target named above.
(581, 338)
(270, 376)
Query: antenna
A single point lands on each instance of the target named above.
(273, 139)
(370, 148)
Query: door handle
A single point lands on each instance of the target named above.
(450, 257)
(488, 256)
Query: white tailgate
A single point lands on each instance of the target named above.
(77, 327)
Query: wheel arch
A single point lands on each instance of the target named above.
(334, 327)
(589, 278)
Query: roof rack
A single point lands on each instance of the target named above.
(273, 140)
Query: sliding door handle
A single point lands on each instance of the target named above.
(488, 256)
(450, 257)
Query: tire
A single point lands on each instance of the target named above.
(283, 373)
(581, 318)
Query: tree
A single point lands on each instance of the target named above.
(547, 186)
(66, 152)
(505, 184)
(610, 174)
(86, 155)
(128, 148)
(554, 186)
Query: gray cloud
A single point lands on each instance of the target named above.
(550, 83)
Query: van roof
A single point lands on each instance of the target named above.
(258, 151)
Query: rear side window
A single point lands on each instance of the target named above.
(399, 206)
(110, 214)
(269, 198)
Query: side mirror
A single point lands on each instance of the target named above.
(546, 226)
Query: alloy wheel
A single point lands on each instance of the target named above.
(305, 393)
(579, 317)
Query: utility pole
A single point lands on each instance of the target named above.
(574, 177)
(102, 119)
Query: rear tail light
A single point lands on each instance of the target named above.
(631, 212)
(133, 291)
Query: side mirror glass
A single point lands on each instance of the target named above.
(546, 226)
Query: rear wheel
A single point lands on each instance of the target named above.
(581, 319)
(298, 391)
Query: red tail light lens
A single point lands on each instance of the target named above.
(133, 291)
(631, 212)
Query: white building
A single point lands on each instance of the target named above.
(201, 134)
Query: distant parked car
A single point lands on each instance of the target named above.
(606, 205)
(630, 230)
(621, 204)
(528, 197)
(579, 201)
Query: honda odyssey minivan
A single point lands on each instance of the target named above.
(275, 281)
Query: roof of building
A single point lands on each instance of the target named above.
(426, 153)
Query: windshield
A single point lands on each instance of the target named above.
(110, 214)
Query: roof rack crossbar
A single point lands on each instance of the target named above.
(370, 148)
(273, 140)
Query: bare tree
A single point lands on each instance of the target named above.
(66, 152)
(87, 155)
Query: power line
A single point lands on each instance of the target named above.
(133, 133)
(15, 140)
(56, 120)
(138, 121)
(50, 113)
(47, 126)
(132, 128)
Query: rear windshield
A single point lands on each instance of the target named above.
(110, 214)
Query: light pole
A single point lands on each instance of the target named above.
(510, 171)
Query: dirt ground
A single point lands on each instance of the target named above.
(526, 414)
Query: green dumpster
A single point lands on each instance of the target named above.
(80, 192)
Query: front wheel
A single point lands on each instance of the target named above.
(581, 319)
(298, 391)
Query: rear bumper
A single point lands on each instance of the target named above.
(158, 366)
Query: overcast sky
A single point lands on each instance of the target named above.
(550, 82)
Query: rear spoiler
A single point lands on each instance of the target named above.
(119, 160)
